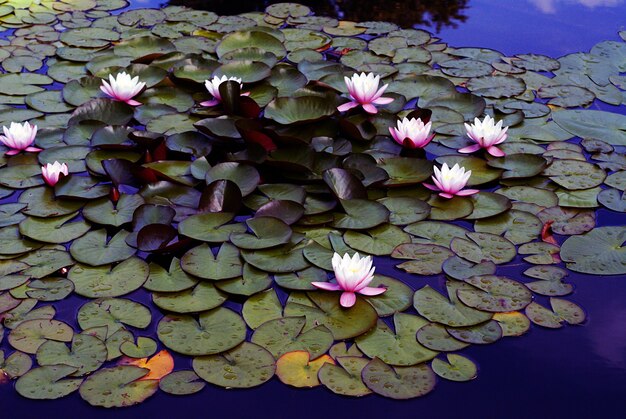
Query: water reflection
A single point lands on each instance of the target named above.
(609, 336)
(406, 13)
(552, 6)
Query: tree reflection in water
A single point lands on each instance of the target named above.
(406, 13)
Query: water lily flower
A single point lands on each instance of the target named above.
(353, 276)
(412, 133)
(450, 182)
(123, 88)
(213, 86)
(19, 138)
(487, 134)
(52, 172)
(364, 91)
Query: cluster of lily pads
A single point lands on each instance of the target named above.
(232, 167)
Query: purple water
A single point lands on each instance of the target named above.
(574, 372)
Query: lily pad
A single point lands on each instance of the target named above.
(245, 366)
(398, 382)
(118, 386)
(215, 331)
(270, 335)
(399, 348)
(457, 368)
(598, 252)
(48, 382)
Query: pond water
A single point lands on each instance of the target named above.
(572, 372)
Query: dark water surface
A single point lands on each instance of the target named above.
(573, 372)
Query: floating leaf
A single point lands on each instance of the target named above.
(248, 365)
(398, 382)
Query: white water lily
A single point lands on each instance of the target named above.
(364, 91)
(213, 86)
(486, 134)
(412, 133)
(123, 88)
(353, 276)
(52, 172)
(19, 137)
(451, 181)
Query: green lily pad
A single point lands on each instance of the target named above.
(437, 308)
(484, 247)
(87, 354)
(286, 258)
(118, 387)
(210, 227)
(270, 335)
(109, 281)
(517, 226)
(399, 348)
(406, 171)
(252, 281)
(398, 382)
(434, 232)
(15, 365)
(29, 335)
(216, 331)
(481, 334)
(378, 241)
(425, 259)
(201, 262)
(461, 269)
(405, 210)
(204, 296)
(94, 249)
(323, 308)
(48, 382)
(513, 323)
(144, 347)
(458, 368)
(245, 366)
(397, 298)
(611, 127)
(173, 279)
(598, 252)
(495, 294)
(291, 110)
(267, 232)
(262, 307)
(562, 311)
(575, 174)
(436, 338)
(360, 214)
(496, 86)
(345, 378)
(181, 383)
(103, 211)
(301, 280)
(113, 313)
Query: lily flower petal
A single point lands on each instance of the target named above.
(451, 181)
(123, 88)
(353, 275)
(364, 91)
(485, 134)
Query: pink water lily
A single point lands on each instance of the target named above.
(19, 138)
(486, 134)
(364, 91)
(450, 182)
(52, 172)
(213, 86)
(412, 133)
(123, 88)
(353, 276)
